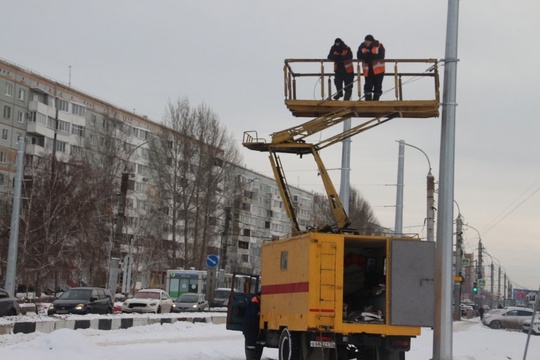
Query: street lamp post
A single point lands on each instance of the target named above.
(430, 191)
(119, 229)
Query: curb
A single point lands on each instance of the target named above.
(27, 327)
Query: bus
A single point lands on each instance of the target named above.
(179, 282)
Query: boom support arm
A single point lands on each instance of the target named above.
(339, 214)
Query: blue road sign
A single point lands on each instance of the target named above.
(212, 260)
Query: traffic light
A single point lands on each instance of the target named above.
(475, 288)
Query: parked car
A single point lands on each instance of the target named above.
(83, 300)
(191, 302)
(536, 326)
(467, 310)
(508, 318)
(149, 301)
(8, 304)
(221, 297)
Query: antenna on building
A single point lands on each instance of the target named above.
(69, 83)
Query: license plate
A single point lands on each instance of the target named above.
(61, 311)
(323, 344)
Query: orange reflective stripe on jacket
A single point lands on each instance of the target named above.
(349, 67)
(378, 65)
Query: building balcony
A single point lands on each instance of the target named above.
(39, 129)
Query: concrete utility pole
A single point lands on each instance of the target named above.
(398, 227)
(480, 271)
(430, 185)
(499, 286)
(11, 269)
(457, 272)
(492, 273)
(345, 183)
(442, 331)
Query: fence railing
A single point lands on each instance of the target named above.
(403, 72)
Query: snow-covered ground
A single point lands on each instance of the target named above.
(187, 341)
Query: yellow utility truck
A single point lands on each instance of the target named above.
(343, 296)
(329, 292)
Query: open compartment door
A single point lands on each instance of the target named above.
(412, 283)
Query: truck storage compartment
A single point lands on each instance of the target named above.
(364, 280)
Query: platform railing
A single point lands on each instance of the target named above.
(403, 72)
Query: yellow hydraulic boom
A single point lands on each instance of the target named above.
(330, 113)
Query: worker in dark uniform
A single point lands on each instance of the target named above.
(342, 56)
(371, 52)
(250, 329)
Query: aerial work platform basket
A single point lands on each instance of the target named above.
(308, 85)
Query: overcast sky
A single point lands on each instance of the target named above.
(229, 55)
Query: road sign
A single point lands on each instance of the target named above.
(482, 282)
(465, 262)
(212, 260)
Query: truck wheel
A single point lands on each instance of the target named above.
(289, 348)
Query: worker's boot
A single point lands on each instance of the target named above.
(348, 94)
(338, 95)
(253, 353)
(368, 96)
(376, 96)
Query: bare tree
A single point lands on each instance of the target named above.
(189, 159)
(361, 214)
(363, 220)
(56, 218)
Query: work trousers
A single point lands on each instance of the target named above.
(344, 81)
(373, 86)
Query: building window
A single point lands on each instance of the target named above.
(78, 109)
(7, 111)
(31, 116)
(143, 134)
(9, 89)
(63, 105)
(246, 232)
(76, 150)
(20, 116)
(51, 123)
(3, 157)
(267, 224)
(63, 126)
(77, 130)
(5, 134)
(2, 179)
(143, 170)
(61, 146)
(22, 94)
(93, 119)
(243, 245)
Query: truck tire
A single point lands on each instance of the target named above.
(289, 345)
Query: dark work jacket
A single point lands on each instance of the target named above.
(342, 57)
(370, 57)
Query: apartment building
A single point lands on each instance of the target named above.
(57, 118)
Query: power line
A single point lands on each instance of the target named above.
(506, 212)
